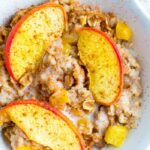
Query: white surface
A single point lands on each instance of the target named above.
(146, 5)
(131, 12)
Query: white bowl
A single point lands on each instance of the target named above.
(136, 17)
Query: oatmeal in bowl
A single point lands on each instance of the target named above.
(63, 58)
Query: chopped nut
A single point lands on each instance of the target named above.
(93, 22)
(111, 110)
(51, 85)
(68, 81)
(48, 59)
(88, 105)
(122, 118)
(113, 22)
(26, 79)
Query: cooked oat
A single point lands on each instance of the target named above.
(61, 71)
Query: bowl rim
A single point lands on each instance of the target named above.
(142, 9)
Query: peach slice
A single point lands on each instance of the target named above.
(103, 62)
(31, 36)
(43, 124)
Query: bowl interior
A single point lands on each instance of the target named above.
(132, 13)
(129, 11)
